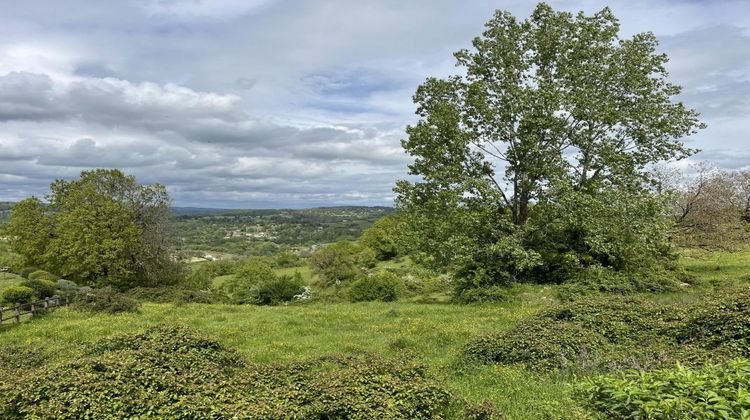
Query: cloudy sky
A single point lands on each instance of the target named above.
(284, 103)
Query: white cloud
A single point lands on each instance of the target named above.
(276, 103)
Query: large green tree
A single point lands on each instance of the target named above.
(554, 104)
(103, 228)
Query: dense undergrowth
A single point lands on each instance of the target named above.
(533, 356)
(173, 372)
(714, 391)
(609, 333)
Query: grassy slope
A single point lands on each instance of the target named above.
(436, 333)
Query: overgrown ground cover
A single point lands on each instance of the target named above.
(434, 334)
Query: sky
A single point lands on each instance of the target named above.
(284, 103)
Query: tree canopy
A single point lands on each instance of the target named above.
(103, 228)
(553, 105)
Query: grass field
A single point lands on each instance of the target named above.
(434, 333)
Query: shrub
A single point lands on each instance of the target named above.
(277, 290)
(41, 288)
(25, 271)
(600, 333)
(173, 372)
(172, 294)
(716, 391)
(66, 287)
(384, 286)
(539, 344)
(484, 294)
(597, 279)
(42, 275)
(341, 261)
(241, 287)
(721, 323)
(105, 300)
(17, 294)
(288, 259)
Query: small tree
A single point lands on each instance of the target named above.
(341, 261)
(711, 208)
(383, 237)
(248, 276)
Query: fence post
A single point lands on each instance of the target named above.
(46, 304)
(1, 314)
(33, 308)
(18, 313)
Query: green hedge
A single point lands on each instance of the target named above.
(42, 288)
(16, 294)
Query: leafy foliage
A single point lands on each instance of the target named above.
(341, 261)
(16, 294)
(173, 372)
(601, 333)
(41, 288)
(716, 391)
(278, 289)
(383, 237)
(106, 300)
(42, 275)
(383, 286)
(241, 288)
(721, 324)
(66, 287)
(532, 92)
(101, 228)
(30, 231)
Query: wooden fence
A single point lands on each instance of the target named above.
(31, 308)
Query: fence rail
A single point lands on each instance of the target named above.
(31, 308)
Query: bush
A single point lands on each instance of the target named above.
(25, 271)
(601, 333)
(341, 261)
(288, 259)
(597, 279)
(66, 287)
(171, 294)
(41, 288)
(277, 290)
(384, 286)
(105, 300)
(17, 294)
(173, 372)
(242, 287)
(721, 323)
(716, 391)
(484, 294)
(540, 344)
(42, 275)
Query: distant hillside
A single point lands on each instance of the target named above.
(261, 231)
(195, 211)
